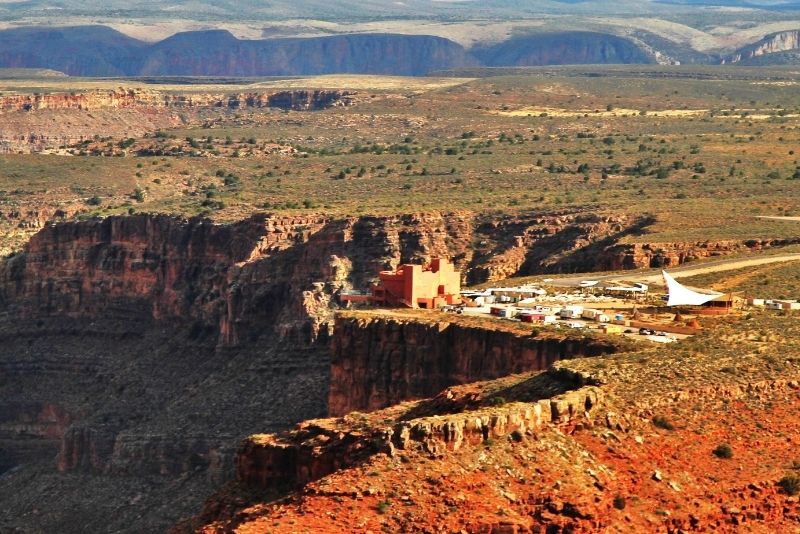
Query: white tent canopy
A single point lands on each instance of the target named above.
(683, 296)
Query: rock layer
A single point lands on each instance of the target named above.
(377, 362)
(286, 271)
(299, 100)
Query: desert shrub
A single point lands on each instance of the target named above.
(383, 507)
(619, 502)
(724, 451)
(790, 484)
(660, 421)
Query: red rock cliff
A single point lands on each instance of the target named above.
(283, 273)
(299, 100)
(380, 361)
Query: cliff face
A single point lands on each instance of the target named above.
(155, 261)
(286, 271)
(771, 44)
(380, 361)
(50, 121)
(300, 100)
(318, 448)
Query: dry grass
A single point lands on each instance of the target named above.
(419, 144)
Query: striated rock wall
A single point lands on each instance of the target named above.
(380, 361)
(555, 242)
(263, 274)
(299, 100)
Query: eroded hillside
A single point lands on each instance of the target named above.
(689, 438)
(169, 291)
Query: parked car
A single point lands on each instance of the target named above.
(646, 332)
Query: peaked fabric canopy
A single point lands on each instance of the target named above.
(683, 296)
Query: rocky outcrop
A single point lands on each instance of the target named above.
(317, 448)
(557, 242)
(771, 44)
(380, 361)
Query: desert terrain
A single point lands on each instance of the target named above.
(178, 355)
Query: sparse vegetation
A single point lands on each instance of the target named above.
(790, 484)
(724, 451)
(660, 421)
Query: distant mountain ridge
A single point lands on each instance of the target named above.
(562, 48)
(205, 10)
(102, 51)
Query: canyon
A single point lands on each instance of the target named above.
(587, 458)
(139, 350)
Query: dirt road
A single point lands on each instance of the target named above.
(650, 276)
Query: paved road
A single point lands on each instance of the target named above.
(650, 276)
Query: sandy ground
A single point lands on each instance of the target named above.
(616, 112)
(626, 112)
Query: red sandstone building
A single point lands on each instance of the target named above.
(413, 286)
(416, 286)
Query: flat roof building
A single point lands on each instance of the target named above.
(416, 286)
